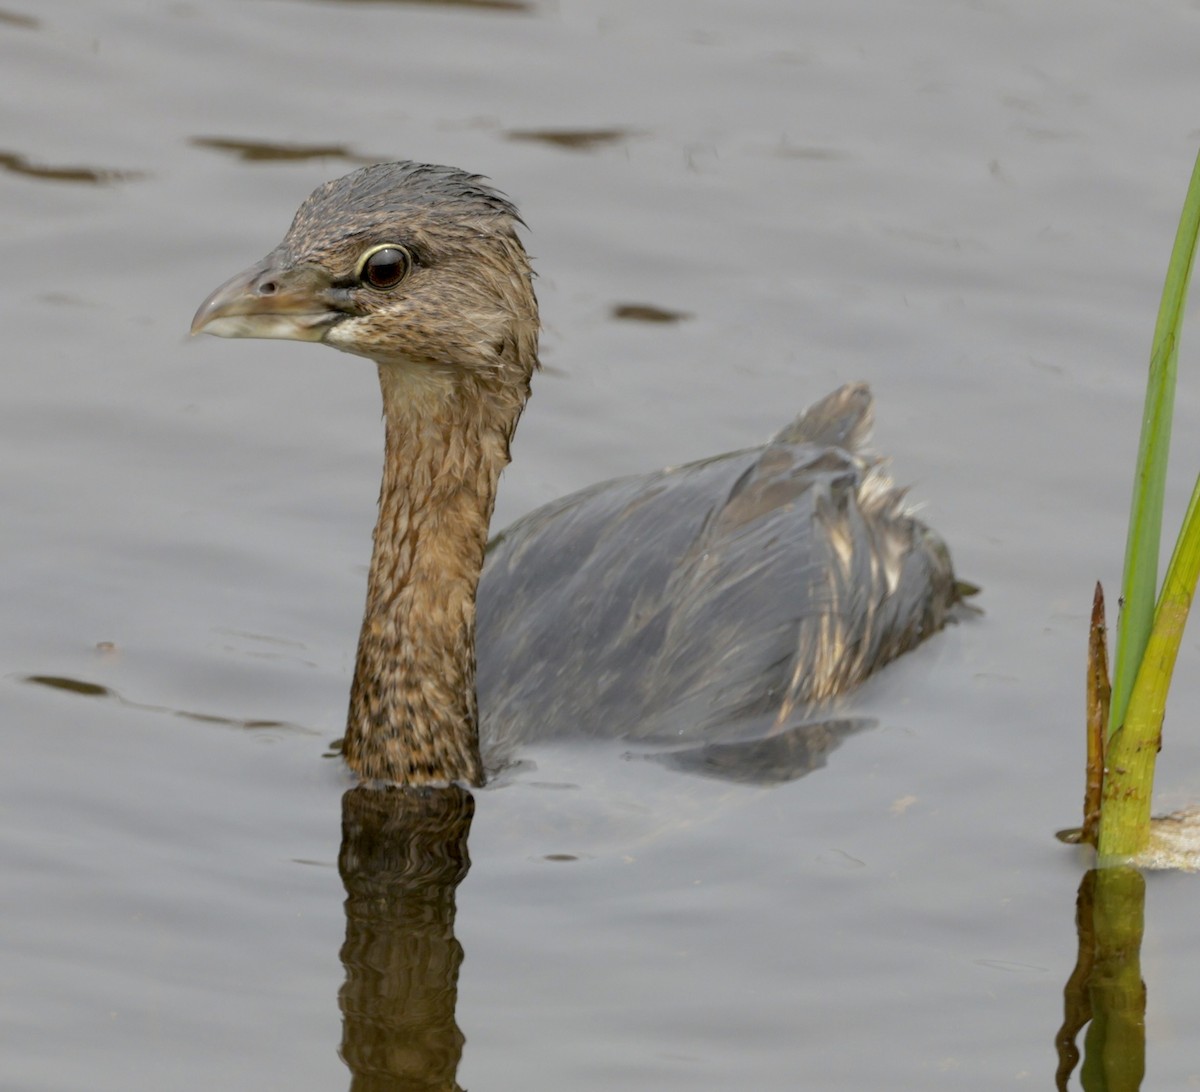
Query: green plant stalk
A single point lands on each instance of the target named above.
(1140, 580)
(1129, 759)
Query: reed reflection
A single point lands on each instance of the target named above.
(403, 854)
(1105, 991)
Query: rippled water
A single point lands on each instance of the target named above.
(968, 204)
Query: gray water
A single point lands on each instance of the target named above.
(970, 205)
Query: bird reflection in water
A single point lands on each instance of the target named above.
(711, 605)
(403, 855)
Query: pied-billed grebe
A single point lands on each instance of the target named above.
(729, 594)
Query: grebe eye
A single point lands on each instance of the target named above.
(385, 266)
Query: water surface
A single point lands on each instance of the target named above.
(970, 205)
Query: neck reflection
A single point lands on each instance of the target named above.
(403, 854)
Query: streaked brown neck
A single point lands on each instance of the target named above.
(413, 715)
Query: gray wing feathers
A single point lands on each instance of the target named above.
(841, 419)
(720, 598)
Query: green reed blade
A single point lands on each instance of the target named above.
(1139, 585)
(1129, 775)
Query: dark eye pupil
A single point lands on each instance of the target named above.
(386, 268)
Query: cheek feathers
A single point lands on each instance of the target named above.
(472, 336)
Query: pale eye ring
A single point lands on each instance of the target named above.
(384, 266)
